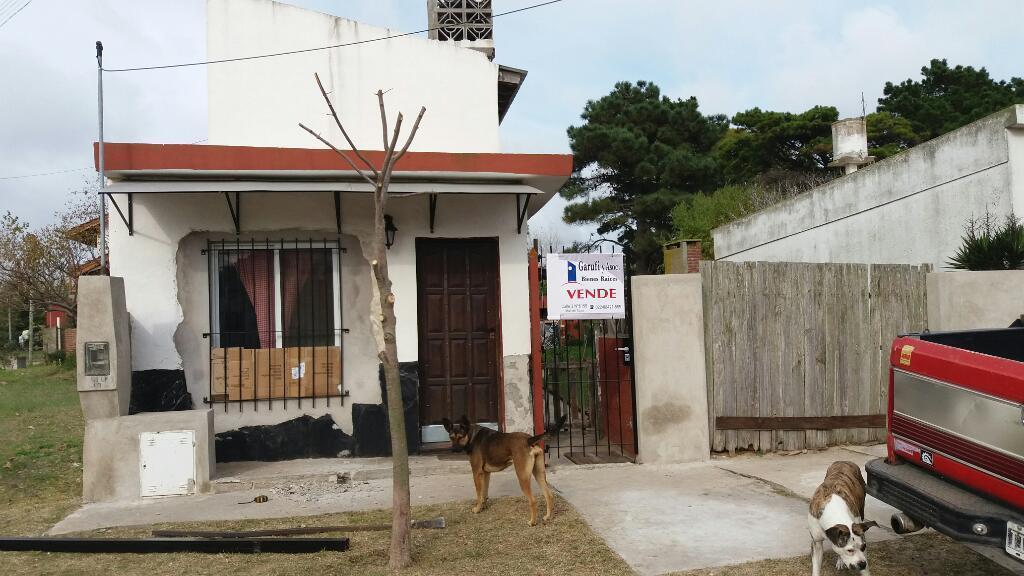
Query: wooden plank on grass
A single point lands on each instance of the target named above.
(166, 545)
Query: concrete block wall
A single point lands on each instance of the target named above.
(974, 300)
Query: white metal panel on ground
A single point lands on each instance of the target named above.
(167, 463)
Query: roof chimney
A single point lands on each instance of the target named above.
(468, 23)
(850, 144)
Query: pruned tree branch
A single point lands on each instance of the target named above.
(388, 169)
(412, 134)
(383, 118)
(362, 174)
(342, 128)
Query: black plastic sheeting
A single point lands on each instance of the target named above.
(370, 429)
(159, 391)
(306, 437)
(302, 437)
(370, 426)
(409, 376)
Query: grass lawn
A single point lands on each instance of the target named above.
(41, 448)
(41, 476)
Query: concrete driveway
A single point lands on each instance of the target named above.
(728, 511)
(657, 518)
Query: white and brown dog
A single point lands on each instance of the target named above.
(837, 513)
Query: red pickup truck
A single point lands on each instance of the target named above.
(956, 438)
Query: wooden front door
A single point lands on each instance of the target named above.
(459, 332)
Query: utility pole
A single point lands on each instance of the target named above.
(102, 164)
(31, 330)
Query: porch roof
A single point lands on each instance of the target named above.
(142, 168)
(234, 170)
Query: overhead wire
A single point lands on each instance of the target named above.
(317, 49)
(8, 19)
(6, 5)
(44, 173)
(68, 171)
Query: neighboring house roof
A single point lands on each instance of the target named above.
(142, 168)
(89, 268)
(85, 233)
(509, 81)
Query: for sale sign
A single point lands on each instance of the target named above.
(584, 286)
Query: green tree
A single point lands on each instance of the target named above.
(947, 98)
(889, 134)
(636, 156)
(697, 216)
(762, 140)
(43, 264)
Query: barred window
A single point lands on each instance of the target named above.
(275, 318)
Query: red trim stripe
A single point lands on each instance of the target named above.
(126, 157)
(974, 454)
(986, 484)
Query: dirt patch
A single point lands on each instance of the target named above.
(313, 491)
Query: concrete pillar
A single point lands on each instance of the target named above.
(671, 386)
(103, 350)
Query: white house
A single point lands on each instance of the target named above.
(244, 261)
(907, 209)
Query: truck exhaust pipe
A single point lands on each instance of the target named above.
(903, 524)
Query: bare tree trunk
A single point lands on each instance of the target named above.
(401, 513)
(31, 331)
(401, 519)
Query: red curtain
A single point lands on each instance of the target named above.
(256, 270)
(296, 268)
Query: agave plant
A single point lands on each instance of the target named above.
(988, 245)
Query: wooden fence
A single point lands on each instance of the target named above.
(797, 354)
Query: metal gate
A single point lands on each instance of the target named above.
(586, 377)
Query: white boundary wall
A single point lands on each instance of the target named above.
(974, 300)
(907, 209)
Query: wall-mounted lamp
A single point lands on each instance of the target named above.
(389, 231)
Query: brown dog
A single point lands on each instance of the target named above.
(491, 451)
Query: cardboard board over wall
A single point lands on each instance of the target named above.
(271, 373)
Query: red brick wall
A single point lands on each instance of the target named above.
(693, 256)
(69, 340)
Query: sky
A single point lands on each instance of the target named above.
(732, 55)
